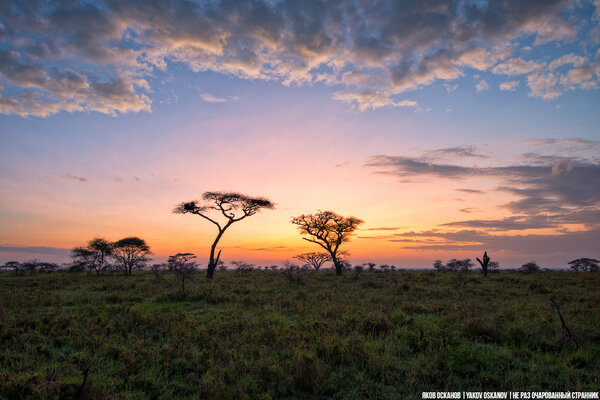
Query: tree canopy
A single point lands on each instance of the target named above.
(130, 253)
(585, 264)
(329, 230)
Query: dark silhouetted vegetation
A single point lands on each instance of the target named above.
(183, 266)
(585, 264)
(329, 230)
(454, 265)
(129, 254)
(314, 259)
(567, 335)
(93, 257)
(243, 267)
(29, 267)
(484, 263)
(529, 268)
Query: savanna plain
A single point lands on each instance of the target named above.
(264, 335)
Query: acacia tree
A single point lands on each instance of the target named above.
(314, 259)
(585, 264)
(529, 267)
(93, 256)
(369, 266)
(12, 266)
(459, 265)
(130, 253)
(233, 206)
(183, 266)
(329, 230)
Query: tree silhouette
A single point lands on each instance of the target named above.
(329, 230)
(459, 265)
(243, 267)
(130, 253)
(93, 256)
(314, 259)
(12, 266)
(370, 266)
(585, 264)
(183, 266)
(529, 267)
(484, 264)
(233, 206)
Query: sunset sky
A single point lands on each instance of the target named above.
(449, 127)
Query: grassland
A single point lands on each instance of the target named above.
(259, 336)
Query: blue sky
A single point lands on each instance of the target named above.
(112, 112)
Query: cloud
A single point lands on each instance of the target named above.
(564, 245)
(568, 72)
(454, 152)
(473, 191)
(76, 178)
(384, 228)
(103, 56)
(371, 100)
(450, 87)
(209, 98)
(543, 85)
(515, 66)
(549, 191)
(571, 58)
(509, 85)
(508, 223)
(35, 250)
(482, 85)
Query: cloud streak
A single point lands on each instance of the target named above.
(556, 193)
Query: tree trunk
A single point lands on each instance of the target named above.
(212, 262)
(210, 272)
(336, 264)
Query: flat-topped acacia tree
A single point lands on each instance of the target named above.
(329, 230)
(233, 206)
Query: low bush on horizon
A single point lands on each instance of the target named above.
(264, 336)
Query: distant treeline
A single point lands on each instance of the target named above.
(453, 265)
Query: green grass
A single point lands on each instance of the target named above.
(258, 336)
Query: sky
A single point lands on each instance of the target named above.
(449, 127)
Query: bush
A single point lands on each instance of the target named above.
(243, 267)
(292, 272)
(529, 267)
